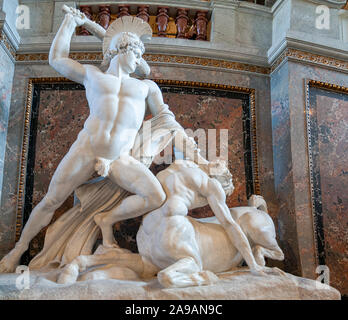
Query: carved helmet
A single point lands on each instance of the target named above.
(126, 28)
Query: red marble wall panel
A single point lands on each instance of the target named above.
(62, 113)
(329, 135)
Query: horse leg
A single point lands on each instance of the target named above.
(118, 258)
(260, 253)
(185, 273)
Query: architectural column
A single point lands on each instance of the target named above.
(162, 21)
(143, 13)
(9, 40)
(181, 22)
(123, 11)
(201, 25)
(104, 16)
(87, 10)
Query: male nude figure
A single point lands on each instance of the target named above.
(117, 105)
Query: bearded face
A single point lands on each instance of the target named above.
(218, 169)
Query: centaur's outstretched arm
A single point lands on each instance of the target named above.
(216, 197)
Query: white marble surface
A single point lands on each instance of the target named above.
(232, 285)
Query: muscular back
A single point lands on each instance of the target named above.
(185, 182)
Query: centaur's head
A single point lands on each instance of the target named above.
(123, 41)
(218, 169)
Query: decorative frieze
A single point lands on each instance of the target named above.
(6, 42)
(308, 57)
(293, 54)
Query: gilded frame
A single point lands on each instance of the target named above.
(317, 218)
(192, 84)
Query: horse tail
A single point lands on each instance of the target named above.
(258, 202)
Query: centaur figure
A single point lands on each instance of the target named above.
(184, 251)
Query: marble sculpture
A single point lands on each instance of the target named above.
(114, 143)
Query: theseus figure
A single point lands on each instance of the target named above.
(117, 105)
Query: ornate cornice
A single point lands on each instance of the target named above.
(289, 53)
(161, 58)
(154, 58)
(306, 57)
(4, 41)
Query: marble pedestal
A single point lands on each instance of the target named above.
(233, 285)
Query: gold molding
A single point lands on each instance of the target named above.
(159, 58)
(192, 84)
(307, 57)
(4, 39)
(324, 86)
(206, 63)
(289, 53)
(24, 150)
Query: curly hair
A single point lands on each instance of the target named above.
(125, 42)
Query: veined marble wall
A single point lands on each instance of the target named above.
(6, 77)
(282, 162)
(291, 170)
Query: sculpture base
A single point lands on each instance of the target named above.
(233, 285)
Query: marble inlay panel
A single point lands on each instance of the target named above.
(328, 116)
(283, 174)
(61, 110)
(6, 78)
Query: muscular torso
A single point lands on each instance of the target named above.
(117, 110)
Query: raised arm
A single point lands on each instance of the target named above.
(60, 48)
